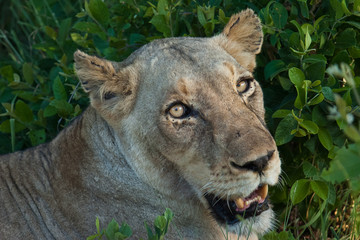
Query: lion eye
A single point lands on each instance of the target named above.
(243, 85)
(178, 110)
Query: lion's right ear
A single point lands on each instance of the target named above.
(242, 38)
(111, 87)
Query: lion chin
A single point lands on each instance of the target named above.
(243, 216)
(179, 124)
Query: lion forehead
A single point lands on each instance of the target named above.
(195, 53)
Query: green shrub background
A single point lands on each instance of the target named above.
(309, 69)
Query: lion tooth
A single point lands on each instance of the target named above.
(240, 203)
(263, 191)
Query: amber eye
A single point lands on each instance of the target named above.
(243, 85)
(178, 110)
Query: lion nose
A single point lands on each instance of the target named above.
(257, 165)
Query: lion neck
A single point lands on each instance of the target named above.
(96, 159)
(97, 171)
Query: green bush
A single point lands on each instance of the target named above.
(309, 69)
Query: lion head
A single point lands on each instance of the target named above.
(189, 116)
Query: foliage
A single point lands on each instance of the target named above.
(114, 232)
(308, 68)
(161, 226)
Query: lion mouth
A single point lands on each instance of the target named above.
(232, 211)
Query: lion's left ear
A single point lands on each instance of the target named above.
(242, 38)
(111, 85)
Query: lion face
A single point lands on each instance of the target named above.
(190, 117)
(211, 127)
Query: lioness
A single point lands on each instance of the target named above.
(179, 124)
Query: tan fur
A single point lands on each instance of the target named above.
(244, 40)
(127, 158)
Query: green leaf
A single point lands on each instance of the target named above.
(49, 111)
(331, 194)
(315, 84)
(63, 108)
(28, 73)
(65, 26)
(98, 10)
(328, 94)
(6, 128)
(354, 24)
(354, 52)
(162, 6)
(299, 190)
(281, 113)
(23, 112)
(159, 21)
(278, 236)
(356, 7)
(336, 5)
(301, 33)
(7, 72)
(59, 89)
(325, 138)
(341, 106)
(125, 230)
(304, 8)
(285, 83)
(37, 137)
(347, 97)
(273, 68)
(97, 223)
(309, 170)
(50, 32)
(316, 71)
(81, 14)
(310, 126)
(223, 19)
(346, 39)
(299, 120)
(315, 58)
(137, 38)
(150, 234)
(307, 40)
(93, 237)
(344, 8)
(320, 188)
(298, 132)
(160, 223)
(300, 98)
(209, 28)
(355, 185)
(345, 165)
(279, 15)
(316, 100)
(201, 16)
(111, 229)
(353, 133)
(311, 144)
(296, 76)
(168, 214)
(119, 236)
(283, 130)
(88, 27)
(341, 57)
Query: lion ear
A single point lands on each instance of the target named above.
(110, 85)
(242, 38)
